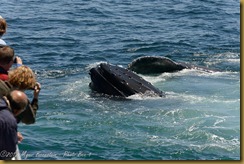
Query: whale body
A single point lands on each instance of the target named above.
(117, 81)
(155, 64)
(158, 64)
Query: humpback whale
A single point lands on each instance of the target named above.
(117, 81)
(158, 64)
(155, 64)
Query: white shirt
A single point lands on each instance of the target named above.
(2, 42)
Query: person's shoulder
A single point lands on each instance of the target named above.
(3, 77)
(3, 104)
(5, 87)
(7, 118)
(5, 114)
(2, 42)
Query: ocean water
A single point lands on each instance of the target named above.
(199, 119)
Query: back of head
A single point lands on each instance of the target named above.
(18, 101)
(22, 78)
(6, 55)
(3, 26)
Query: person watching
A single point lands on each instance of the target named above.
(3, 29)
(23, 78)
(7, 59)
(11, 106)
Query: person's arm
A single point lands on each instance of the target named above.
(34, 102)
(29, 115)
(19, 61)
(20, 137)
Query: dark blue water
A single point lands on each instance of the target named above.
(61, 40)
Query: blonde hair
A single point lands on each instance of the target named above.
(3, 26)
(22, 78)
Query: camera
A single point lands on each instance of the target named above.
(15, 60)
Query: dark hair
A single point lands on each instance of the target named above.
(6, 54)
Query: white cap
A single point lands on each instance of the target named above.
(1, 17)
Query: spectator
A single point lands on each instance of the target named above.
(23, 78)
(6, 61)
(11, 106)
(3, 29)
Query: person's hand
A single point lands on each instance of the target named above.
(19, 60)
(37, 90)
(20, 137)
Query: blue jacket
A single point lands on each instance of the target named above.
(8, 132)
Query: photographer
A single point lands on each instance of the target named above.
(7, 59)
(23, 78)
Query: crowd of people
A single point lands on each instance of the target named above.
(15, 107)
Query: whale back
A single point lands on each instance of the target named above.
(154, 64)
(118, 81)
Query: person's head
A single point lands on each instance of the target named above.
(6, 57)
(22, 78)
(3, 26)
(17, 102)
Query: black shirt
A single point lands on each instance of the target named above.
(8, 132)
